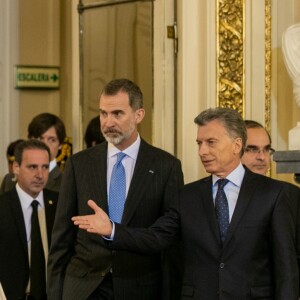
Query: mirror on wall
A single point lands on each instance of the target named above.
(116, 41)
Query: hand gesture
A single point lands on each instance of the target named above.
(98, 223)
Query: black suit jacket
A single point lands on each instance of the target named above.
(257, 260)
(14, 264)
(293, 193)
(54, 180)
(78, 261)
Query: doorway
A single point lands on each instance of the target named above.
(116, 41)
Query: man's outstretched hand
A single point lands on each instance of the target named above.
(97, 223)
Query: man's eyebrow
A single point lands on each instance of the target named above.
(255, 146)
(113, 111)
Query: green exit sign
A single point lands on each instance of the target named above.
(36, 77)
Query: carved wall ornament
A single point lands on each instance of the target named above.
(230, 25)
(230, 54)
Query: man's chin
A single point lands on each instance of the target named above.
(260, 170)
(115, 140)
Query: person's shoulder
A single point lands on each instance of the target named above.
(291, 188)
(263, 183)
(9, 195)
(198, 184)
(7, 183)
(158, 152)
(50, 194)
(92, 151)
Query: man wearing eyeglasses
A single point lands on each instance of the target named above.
(257, 158)
(258, 151)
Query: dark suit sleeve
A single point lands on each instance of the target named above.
(298, 233)
(162, 234)
(293, 197)
(283, 249)
(63, 234)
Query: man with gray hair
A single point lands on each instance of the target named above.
(235, 225)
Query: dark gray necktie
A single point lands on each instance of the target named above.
(221, 207)
(37, 259)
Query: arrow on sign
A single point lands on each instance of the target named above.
(54, 77)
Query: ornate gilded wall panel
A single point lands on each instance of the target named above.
(230, 24)
(268, 64)
(230, 54)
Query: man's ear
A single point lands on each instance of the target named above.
(139, 115)
(238, 145)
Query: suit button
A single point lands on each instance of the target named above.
(222, 265)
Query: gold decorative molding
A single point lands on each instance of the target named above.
(230, 25)
(230, 54)
(268, 64)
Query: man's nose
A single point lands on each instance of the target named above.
(39, 173)
(109, 121)
(202, 149)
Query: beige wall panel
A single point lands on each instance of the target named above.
(39, 45)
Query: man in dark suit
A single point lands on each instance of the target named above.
(79, 265)
(50, 129)
(241, 249)
(31, 167)
(257, 158)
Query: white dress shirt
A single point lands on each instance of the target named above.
(52, 165)
(26, 201)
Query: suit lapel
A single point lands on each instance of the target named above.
(245, 196)
(50, 208)
(98, 174)
(138, 186)
(208, 206)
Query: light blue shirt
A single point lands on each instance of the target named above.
(232, 188)
(128, 161)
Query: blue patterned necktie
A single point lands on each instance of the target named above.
(221, 207)
(117, 190)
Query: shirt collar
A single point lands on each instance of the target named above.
(26, 199)
(52, 165)
(131, 151)
(235, 177)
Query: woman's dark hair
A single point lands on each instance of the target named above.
(93, 134)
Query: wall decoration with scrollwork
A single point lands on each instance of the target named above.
(230, 54)
(230, 25)
(268, 64)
